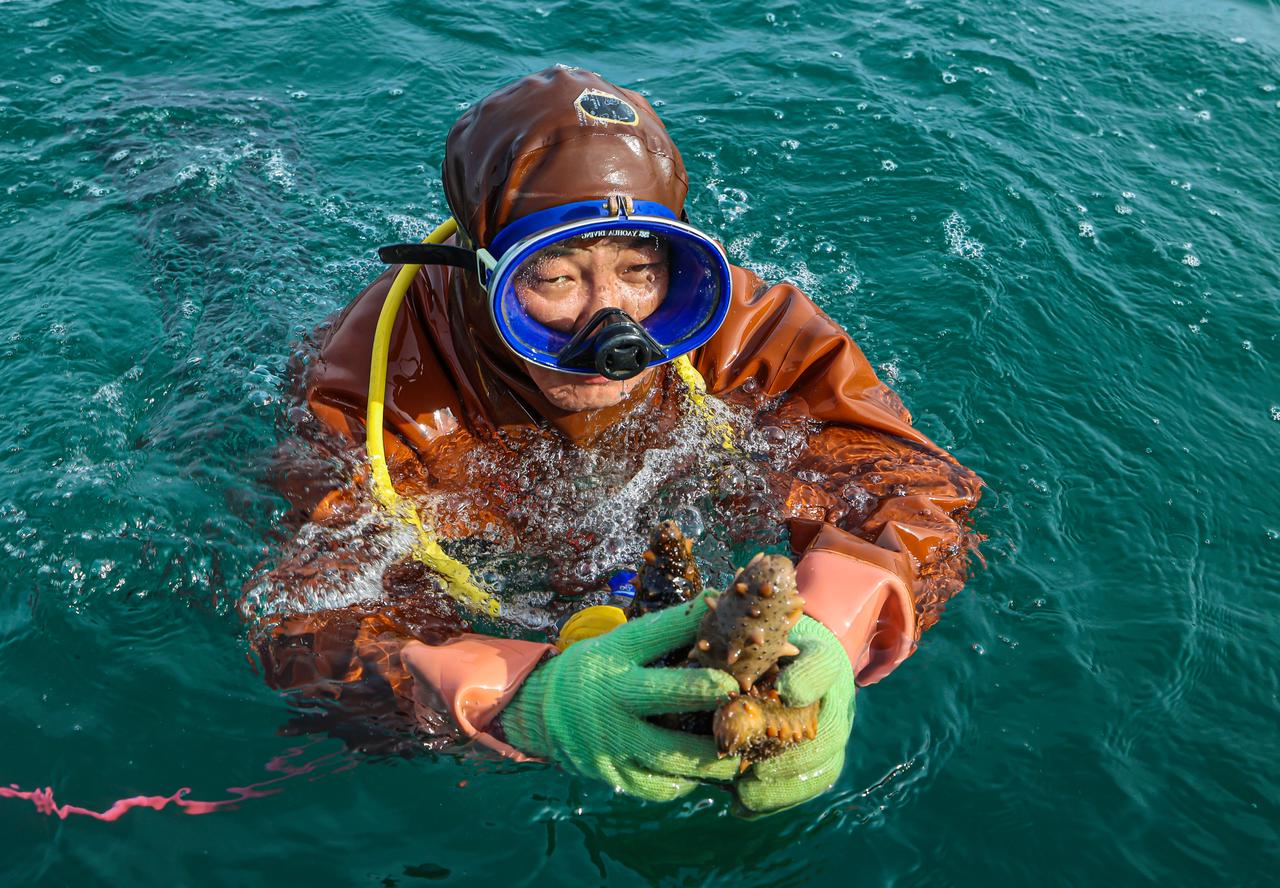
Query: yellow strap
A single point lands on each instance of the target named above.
(455, 575)
(697, 391)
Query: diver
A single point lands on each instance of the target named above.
(574, 296)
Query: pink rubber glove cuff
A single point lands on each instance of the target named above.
(472, 678)
(866, 607)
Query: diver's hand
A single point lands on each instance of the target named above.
(822, 671)
(585, 708)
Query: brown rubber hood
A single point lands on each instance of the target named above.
(536, 144)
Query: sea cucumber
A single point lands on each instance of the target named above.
(669, 574)
(759, 727)
(745, 633)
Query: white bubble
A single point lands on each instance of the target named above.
(1191, 260)
(278, 170)
(1203, 115)
(958, 240)
(1086, 230)
(298, 94)
(690, 521)
(57, 78)
(948, 77)
(1128, 195)
(1239, 40)
(888, 166)
(1124, 210)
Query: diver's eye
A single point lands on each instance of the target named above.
(643, 268)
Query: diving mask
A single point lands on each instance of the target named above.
(672, 305)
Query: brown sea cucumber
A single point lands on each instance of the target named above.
(759, 727)
(669, 574)
(745, 633)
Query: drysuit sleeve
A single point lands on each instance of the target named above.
(880, 513)
(366, 671)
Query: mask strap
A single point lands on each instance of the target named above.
(427, 254)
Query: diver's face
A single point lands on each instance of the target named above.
(564, 286)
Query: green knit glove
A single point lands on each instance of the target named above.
(821, 671)
(585, 709)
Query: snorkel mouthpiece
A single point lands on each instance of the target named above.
(613, 344)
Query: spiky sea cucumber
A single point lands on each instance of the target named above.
(669, 575)
(744, 633)
(759, 727)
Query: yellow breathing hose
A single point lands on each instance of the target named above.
(697, 391)
(455, 575)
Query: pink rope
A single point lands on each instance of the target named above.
(45, 804)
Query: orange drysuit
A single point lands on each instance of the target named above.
(851, 480)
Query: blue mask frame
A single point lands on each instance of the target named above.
(698, 292)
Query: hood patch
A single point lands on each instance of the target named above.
(596, 106)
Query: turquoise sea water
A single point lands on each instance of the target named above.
(1051, 225)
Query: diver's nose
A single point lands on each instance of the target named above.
(601, 294)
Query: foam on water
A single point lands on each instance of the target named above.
(579, 514)
(958, 240)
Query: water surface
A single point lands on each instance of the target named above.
(1051, 225)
